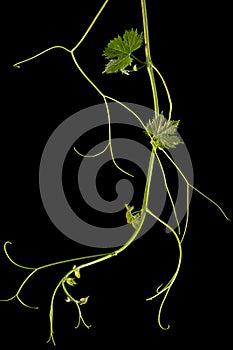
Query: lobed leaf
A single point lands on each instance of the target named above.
(164, 131)
(119, 51)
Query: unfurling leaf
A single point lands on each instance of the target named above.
(71, 281)
(119, 51)
(163, 132)
(132, 219)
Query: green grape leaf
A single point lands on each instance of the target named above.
(164, 131)
(119, 51)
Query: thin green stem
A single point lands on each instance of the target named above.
(168, 286)
(137, 230)
(144, 204)
(110, 138)
(167, 91)
(38, 269)
(94, 259)
(51, 264)
(148, 55)
(21, 287)
(51, 337)
(19, 290)
(92, 155)
(90, 26)
(94, 85)
(172, 280)
(142, 218)
(167, 189)
(132, 112)
(71, 298)
(107, 110)
(17, 65)
(85, 76)
(138, 60)
(160, 310)
(187, 212)
(12, 261)
(191, 186)
(80, 317)
(62, 283)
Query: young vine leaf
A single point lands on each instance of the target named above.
(132, 219)
(163, 132)
(119, 52)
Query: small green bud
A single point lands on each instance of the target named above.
(77, 273)
(71, 281)
(83, 301)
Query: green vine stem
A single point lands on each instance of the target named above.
(148, 56)
(136, 219)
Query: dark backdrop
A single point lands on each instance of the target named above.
(190, 45)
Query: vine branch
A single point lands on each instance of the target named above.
(137, 221)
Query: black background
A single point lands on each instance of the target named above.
(191, 47)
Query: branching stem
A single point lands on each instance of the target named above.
(95, 259)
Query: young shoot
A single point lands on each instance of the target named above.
(161, 133)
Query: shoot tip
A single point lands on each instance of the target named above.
(7, 242)
(164, 328)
